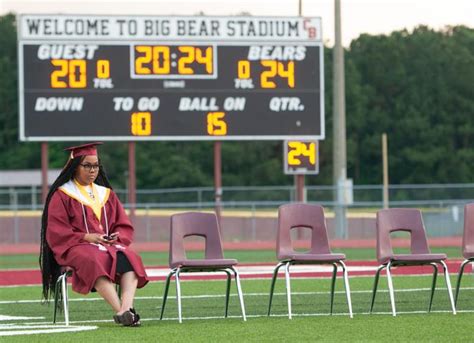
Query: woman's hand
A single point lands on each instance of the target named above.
(96, 238)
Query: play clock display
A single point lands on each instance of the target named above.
(170, 78)
(301, 157)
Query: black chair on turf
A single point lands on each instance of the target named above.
(467, 244)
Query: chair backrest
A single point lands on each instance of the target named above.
(400, 219)
(299, 215)
(468, 236)
(194, 224)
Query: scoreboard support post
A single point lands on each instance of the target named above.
(218, 180)
(299, 183)
(44, 172)
(132, 185)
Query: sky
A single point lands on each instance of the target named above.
(358, 16)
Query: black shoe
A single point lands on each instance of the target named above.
(136, 318)
(128, 318)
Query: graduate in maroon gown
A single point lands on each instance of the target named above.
(85, 227)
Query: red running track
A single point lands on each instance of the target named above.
(247, 271)
(31, 248)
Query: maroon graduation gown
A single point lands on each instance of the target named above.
(65, 232)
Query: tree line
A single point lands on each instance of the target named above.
(417, 86)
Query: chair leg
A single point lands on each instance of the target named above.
(333, 284)
(433, 284)
(178, 295)
(239, 291)
(227, 293)
(288, 287)
(374, 290)
(458, 283)
(57, 295)
(165, 295)
(118, 289)
(347, 288)
(65, 299)
(390, 288)
(448, 285)
(272, 287)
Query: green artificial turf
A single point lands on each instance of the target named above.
(203, 308)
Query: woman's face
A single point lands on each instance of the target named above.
(88, 170)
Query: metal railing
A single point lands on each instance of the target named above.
(424, 195)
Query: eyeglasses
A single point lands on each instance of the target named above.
(90, 167)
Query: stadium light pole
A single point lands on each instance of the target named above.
(339, 126)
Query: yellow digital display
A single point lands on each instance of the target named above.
(301, 157)
(216, 125)
(269, 71)
(141, 123)
(166, 60)
(72, 73)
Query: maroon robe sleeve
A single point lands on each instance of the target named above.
(121, 223)
(59, 233)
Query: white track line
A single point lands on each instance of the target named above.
(343, 314)
(268, 270)
(204, 296)
(4, 318)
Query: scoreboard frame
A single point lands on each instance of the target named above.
(29, 130)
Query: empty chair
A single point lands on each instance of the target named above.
(467, 244)
(408, 220)
(299, 215)
(204, 225)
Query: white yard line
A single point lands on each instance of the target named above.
(41, 329)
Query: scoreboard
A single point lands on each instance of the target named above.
(134, 78)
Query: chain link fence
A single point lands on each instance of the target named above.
(250, 213)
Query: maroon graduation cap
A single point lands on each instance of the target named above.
(83, 150)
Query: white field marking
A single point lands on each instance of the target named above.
(203, 296)
(268, 269)
(31, 326)
(323, 314)
(41, 329)
(3, 318)
(15, 286)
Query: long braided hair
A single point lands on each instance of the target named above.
(50, 269)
